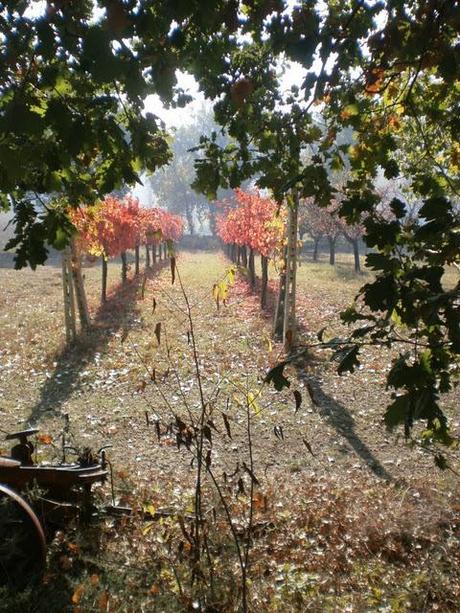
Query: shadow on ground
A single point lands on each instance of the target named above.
(117, 314)
(341, 420)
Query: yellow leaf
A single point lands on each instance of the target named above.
(395, 318)
(251, 400)
(147, 528)
(223, 290)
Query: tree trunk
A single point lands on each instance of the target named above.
(189, 217)
(278, 319)
(80, 295)
(263, 292)
(289, 322)
(154, 253)
(238, 255)
(212, 219)
(104, 279)
(136, 254)
(355, 244)
(159, 251)
(244, 256)
(147, 256)
(332, 242)
(124, 267)
(252, 269)
(316, 249)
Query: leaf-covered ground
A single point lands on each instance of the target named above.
(348, 517)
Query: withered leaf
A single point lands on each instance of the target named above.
(298, 399)
(275, 375)
(308, 446)
(45, 439)
(208, 459)
(154, 305)
(207, 433)
(180, 424)
(227, 425)
(158, 332)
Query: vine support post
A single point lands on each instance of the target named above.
(79, 288)
(69, 297)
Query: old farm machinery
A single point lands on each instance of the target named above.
(37, 499)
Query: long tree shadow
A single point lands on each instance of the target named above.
(339, 417)
(118, 313)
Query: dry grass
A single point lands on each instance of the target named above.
(365, 524)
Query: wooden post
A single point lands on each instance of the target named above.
(289, 320)
(69, 298)
(80, 295)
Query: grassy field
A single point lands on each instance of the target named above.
(350, 517)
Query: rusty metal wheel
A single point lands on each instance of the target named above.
(22, 541)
